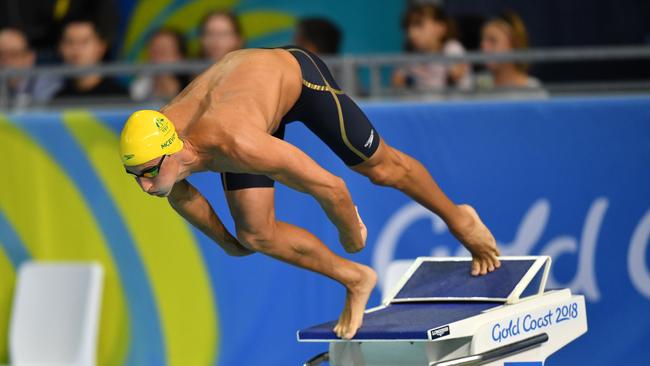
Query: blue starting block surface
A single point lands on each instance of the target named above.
(402, 321)
(439, 291)
(440, 280)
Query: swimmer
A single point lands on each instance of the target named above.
(231, 119)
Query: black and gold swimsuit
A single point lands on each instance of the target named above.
(328, 112)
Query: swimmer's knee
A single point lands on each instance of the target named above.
(389, 173)
(380, 175)
(257, 239)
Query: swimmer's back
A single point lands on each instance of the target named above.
(264, 83)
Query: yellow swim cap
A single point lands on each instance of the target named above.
(147, 135)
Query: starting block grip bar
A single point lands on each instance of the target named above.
(497, 353)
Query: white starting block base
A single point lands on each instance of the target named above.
(416, 326)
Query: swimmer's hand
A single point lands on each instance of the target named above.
(362, 227)
(191, 204)
(476, 237)
(350, 245)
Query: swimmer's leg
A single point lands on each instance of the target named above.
(391, 167)
(339, 122)
(256, 226)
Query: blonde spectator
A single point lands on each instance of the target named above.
(505, 33)
(165, 46)
(429, 31)
(220, 33)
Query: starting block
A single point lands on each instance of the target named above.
(440, 315)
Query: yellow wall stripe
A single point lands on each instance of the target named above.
(144, 14)
(55, 223)
(190, 15)
(263, 22)
(7, 279)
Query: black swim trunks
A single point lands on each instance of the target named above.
(328, 112)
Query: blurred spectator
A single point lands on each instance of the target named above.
(318, 35)
(220, 33)
(82, 45)
(16, 53)
(165, 46)
(505, 33)
(43, 20)
(429, 30)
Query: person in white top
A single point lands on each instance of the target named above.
(506, 33)
(429, 30)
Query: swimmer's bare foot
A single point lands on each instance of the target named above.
(478, 239)
(355, 303)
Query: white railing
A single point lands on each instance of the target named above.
(347, 70)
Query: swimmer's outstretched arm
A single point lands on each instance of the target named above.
(259, 153)
(191, 204)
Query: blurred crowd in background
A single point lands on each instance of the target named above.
(80, 33)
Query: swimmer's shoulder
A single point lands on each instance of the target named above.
(263, 57)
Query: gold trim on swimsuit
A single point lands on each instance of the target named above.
(334, 93)
(320, 87)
